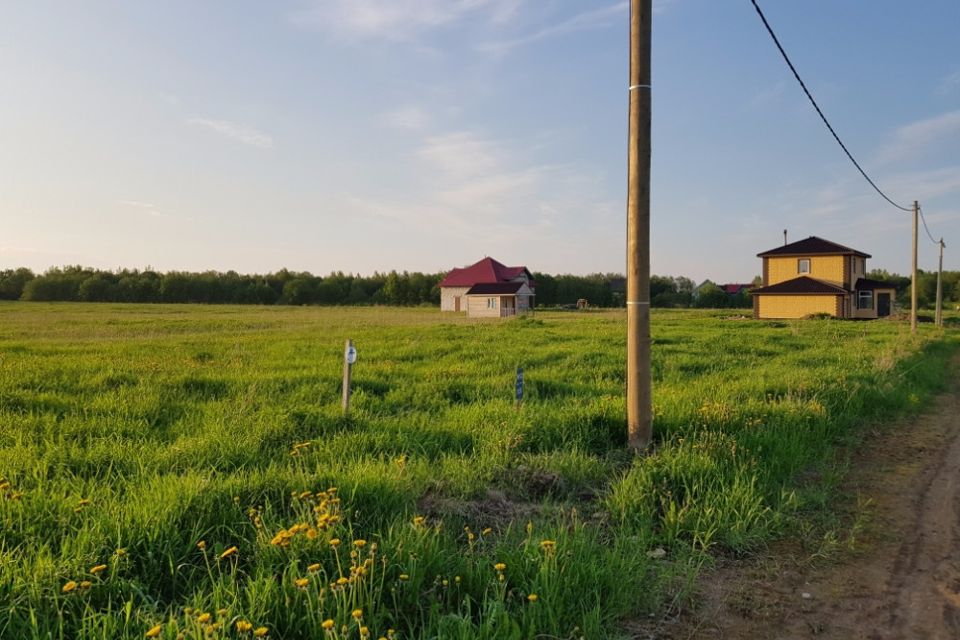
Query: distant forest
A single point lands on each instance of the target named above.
(83, 284)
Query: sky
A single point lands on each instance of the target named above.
(422, 135)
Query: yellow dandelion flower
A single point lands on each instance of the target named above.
(154, 631)
(260, 632)
(301, 582)
(327, 624)
(243, 626)
(305, 494)
(98, 569)
(334, 542)
(342, 581)
(314, 567)
(86, 584)
(404, 577)
(419, 521)
(229, 552)
(500, 566)
(357, 614)
(360, 543)
(311, 533)
(83, 502)
(204, 618)
(202, 545)
(120, 552)
(364, 632)
(70, 586)
(487, 531)
(331, 490)
(456, 579)
(548, 544)
(533, 597)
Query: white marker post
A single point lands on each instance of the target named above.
(349, 357)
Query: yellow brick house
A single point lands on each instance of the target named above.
(814, 276)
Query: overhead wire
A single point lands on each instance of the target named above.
(927, 229)
(796, 75)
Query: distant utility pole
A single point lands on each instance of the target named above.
(639, 404)
(913, 284)
(939, 315)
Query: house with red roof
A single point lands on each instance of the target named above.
(814, 276)
(488, 289)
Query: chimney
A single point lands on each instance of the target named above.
(784, 237)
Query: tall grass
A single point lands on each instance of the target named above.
(200, 455)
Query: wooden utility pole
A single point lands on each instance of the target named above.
(639, 405)
(939, 315)
(913, 285)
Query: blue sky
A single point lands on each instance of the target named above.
(363, 135)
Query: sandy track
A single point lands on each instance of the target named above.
(903, 583)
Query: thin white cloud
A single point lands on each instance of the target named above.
(949, 83)
(144, 207)
(240, 133)
(912, 140)
(395, 20)
(593, 19)
(410, 118)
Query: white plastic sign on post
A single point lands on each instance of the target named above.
(350, 355)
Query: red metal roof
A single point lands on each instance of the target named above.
(735, 288)
(487, 270)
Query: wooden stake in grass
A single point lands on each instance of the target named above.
(349, 357)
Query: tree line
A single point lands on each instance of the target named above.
(83, 284)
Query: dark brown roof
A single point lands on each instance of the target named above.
(494, 288)
(866, 284)
(802, 285)
(812, 246)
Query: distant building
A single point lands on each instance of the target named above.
(735, 289)
(488, 289)
(818, 276)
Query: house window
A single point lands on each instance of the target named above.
(491, 303)
(865, 300)
(803, 265)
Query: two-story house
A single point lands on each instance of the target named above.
(818, 276)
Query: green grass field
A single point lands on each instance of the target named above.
(184, 471)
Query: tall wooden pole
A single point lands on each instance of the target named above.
(639, 406)
(939, 314)
(913, 284)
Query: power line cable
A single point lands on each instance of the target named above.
(817, 107)
(927, 229)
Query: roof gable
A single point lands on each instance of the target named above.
(812, 246)
(487, 270)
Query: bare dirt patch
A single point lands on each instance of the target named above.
(902, 582)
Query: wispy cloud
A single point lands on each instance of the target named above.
(146, 208)
(912, 140)
(593, 19)
(949, 83)
(409, 118)
(235, 131)
(396, 20)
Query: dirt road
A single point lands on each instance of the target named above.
(902, 582)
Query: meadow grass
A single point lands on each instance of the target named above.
(185, 472)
